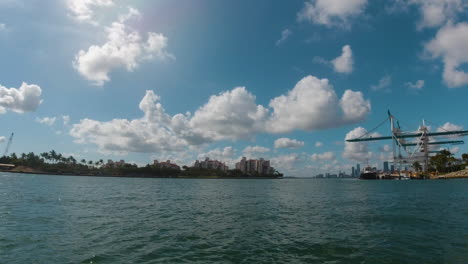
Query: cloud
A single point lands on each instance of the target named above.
(66, 119)
(27, 98)
(49, 121)
(314, 105)
(383, 84)
(449, 127)
(435, 13)
(3, 27)
(286, 162)
(2, 139)
(355, 108)
(326, 156)
(124, 48)
(344, 63)
(219, 154)
(255, 149)
(357, 151)
(288, 143)
(331, 12)
(455, 150)
(151, 133)
(450, 45)
(318, 144)
(83, 10)
(285, 34)
(230, 115)
(418, 85)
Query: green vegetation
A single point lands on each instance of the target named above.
(55, 163)
(417, 166)
(444, 162)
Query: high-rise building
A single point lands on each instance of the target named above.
(210, 164)
(353, 173)
(252, 166)
(358, 170)
(385, 166)
(392, 168)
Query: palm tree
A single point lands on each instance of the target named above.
(417, 166)
(53, 155)
(45, 155)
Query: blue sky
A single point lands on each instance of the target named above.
(144, 80)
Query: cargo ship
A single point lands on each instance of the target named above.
(369, 174)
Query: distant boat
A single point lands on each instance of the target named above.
(369, 174)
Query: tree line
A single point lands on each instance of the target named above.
(444, 162)
(57, 163)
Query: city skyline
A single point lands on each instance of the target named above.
(287, 81)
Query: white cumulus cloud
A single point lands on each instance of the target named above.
(314, 105)
(252, 151)
(27, 98)
(49, 121)
(451, 45)
(383, 84)
(124, 48)
(151, 133)
(2, 139)
(357, 151)
(449, 127)
(344, 63)
(285, 34)
(318, 144)
(65, 119)
(230, 115)
(418, 85)
(288, 143)
(326, 156)
(226, 153)
(331, 12)
(286, 162)
(83, 10)
(435, 13)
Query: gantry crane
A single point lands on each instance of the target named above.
(10, 140)
(417, 150)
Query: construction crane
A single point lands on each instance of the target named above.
(417, 150)
(10, 140)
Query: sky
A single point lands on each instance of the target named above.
(187, 79)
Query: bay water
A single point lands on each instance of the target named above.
(68, 219)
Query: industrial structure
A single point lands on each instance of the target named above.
(10, 140)
(412, 146)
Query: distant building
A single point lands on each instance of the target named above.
(385, 166)
(210, 164)
(165, 165)
(392, 168)
(319, 176)
(353, 173)
(358, 170)
(251, 167)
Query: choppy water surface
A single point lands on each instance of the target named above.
(53, 219)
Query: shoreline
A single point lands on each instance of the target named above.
(136, 176)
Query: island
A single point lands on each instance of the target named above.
(53, 163)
